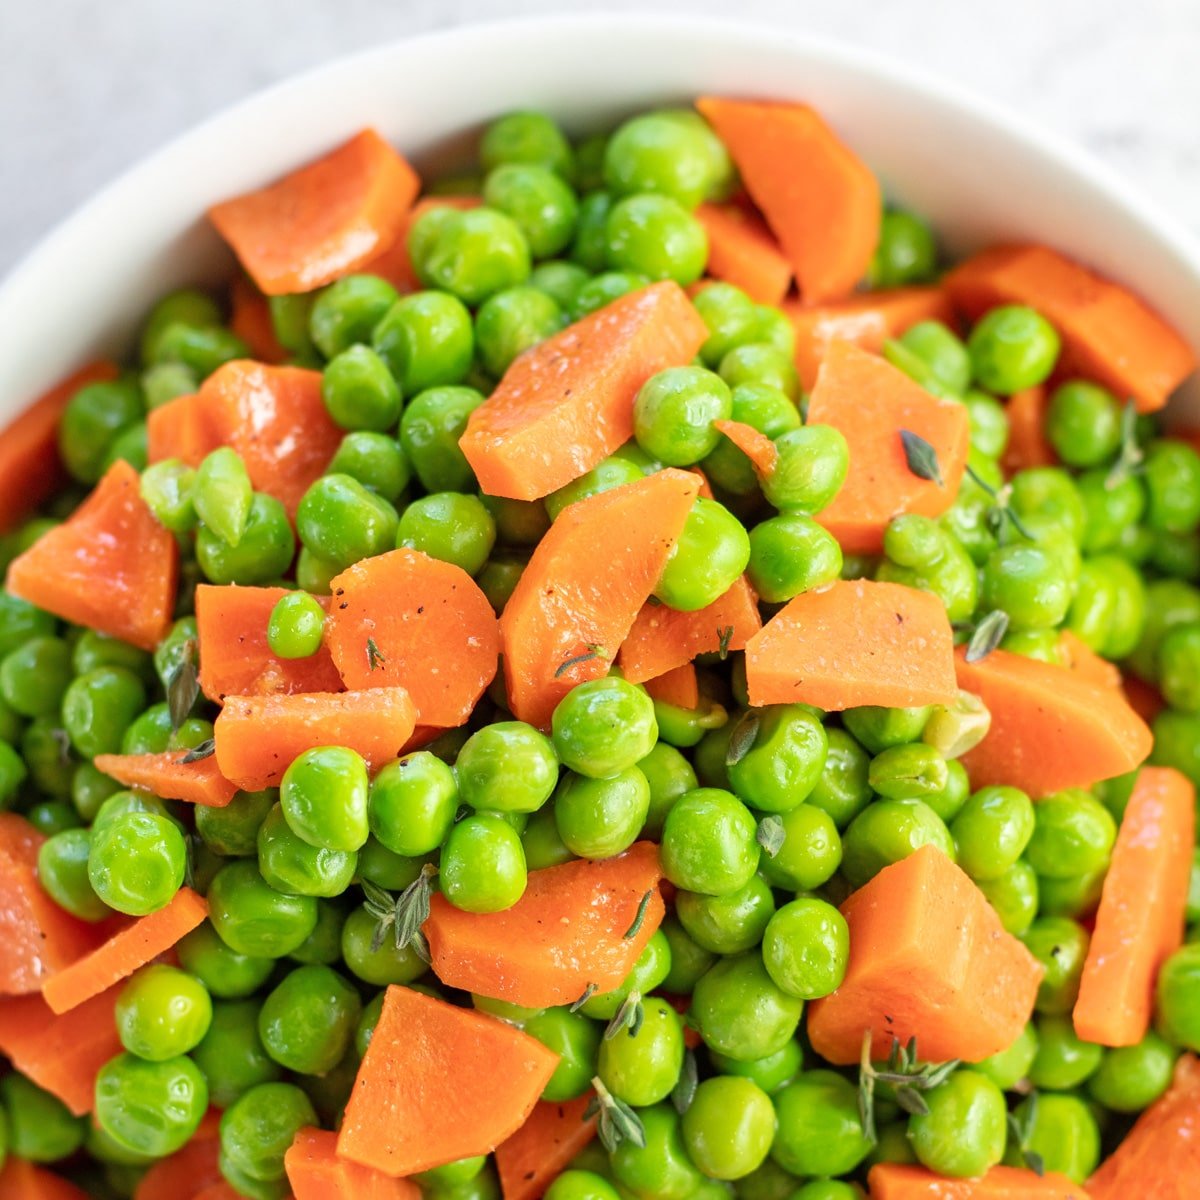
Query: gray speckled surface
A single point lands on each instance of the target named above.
(87, 87)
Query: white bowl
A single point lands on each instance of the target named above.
(978, 173)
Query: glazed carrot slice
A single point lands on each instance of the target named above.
(1141, 916)
(21, 1180)
(1079, 657)
(902, 1181)
(61, 1054)
(257, 737)
(855, 643)
(871, 402)
(432, 629)
(677, 687)
(323, 220)
(1051, 729)
(530, 1160)
(439, 1083)
(577, 599)
(1108, 333)
(928, 959)
(1160, 1156)
(131, 947)
(110, 565)
(566, 404)
(275, 419)
(867, 321)
(821, 201)
(20, 840)
(189, 1171)
(235, 659)
(169, 778)
(250, 319)
(30, 468)
(742, 251)
(315, 1172)
(756, 446)
(566, 931)
(394, 264)
(180, 429)
(662, 638)
(1028, 445)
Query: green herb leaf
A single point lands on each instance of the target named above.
(375, 656)
(908, 1076)
(62, 739)
(592, 652)
(921, 457)
(1131, 457)
(1035, 1162)
(639, 916)
(741, 740)
(587, 994)
(770, 835)
(724, 637)
(684, 1091)
(205, 749)
(405, 915)
(617, 1121)
(629, 1016)
(1002, 513)
(1022, 1131)
(183, 685)
(988, 634)
(866, 1091)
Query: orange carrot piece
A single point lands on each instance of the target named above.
(756, 446)
(30, 468)
(22, 1180)
(870, 402)
(566, 931)
(251, 321)
(20, 840)
(132, 947)
(180, 429)
(742, 251)
(903, 1181)
(221, 1190)
(315, 1172)
(530, 1160)
(566, 404)
(169, 778)
(324, 219)
(1159, 1158)
(663, 638)
(928, 959)
(189, 1171)
(1051, 728)
(867, 321)
(439, 1083)
(235, 659)
(258, 736)
(677, 686)
(1079, 657)
(1028, 445)
(275, 419)
(110, 565)
(1108, 333)
(577, 599)
(61, 1054)
(394, 263)
(434, 633)
(821, 201)
(1141, 916)
(1145, 699)
(857, 642)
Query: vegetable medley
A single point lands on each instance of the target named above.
(801, 848)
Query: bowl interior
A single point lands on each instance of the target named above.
(977, 174)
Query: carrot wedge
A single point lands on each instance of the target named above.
(61, 1054)
(1108, 333)
(1141, 916)
(257, 737)
(821, 201)
(20, 840)
(439, 1083)
(110, 566)
(1028, 445)
(1160, 1156)
(663, 638)
(169, 777)
(855, 643)
(566, 404)
(190, 1170)
(580, 594)
(867, 321)
(30, 468)
(250, 319)
(928, 959)
(530, 1160)
(322, 220)
(180, 429)
(1051, 728)
(1079, 657)
(742, 251)
(235, 659)
(566, 931)
(22, 1180)
(315, 1172)
(756, 446)
(872, 403)
(132, 947)
(903, 1181)
(433, 632)
(677, 686)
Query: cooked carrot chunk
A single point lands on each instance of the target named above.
(315, 1172)
(22, 1180)
(553, 1134)
(1028, 445)
(902, 1181)
(677, 686)
(742, 251)
(756, 446)
(169, 778)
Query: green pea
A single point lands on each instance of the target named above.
(1083, 423)
(590, 246)
(575, 1184)
(761, 364)
(992, 831)
(510, 322)
(989, 423)
(811, 850)
(727, 924)
(769, 1073)
(264, 550)
(810, 469)
(1060, 945)
(451, 527)
(661, 1168)
(656, 152)
(706, 560)
(740, 1011)
(910, 772)
(576, 1040)
(307, 1022)
(474, 254)
(426, 340)
(34, 676)
(653, 235)
(842, 790)
(222, 495)
(20, 622)
(200, 348)
(964, 1131)
(1027, 583)
(98, 706)
(674, 411)
(806, 947)
(1049, 493)
(827, 1189)
(1061, 1131)
(231, 1055)
(324, 945)
(40, 1127)
(291, 865)
(94, 417)
(942, 352)
(541, 841)
(652, 967)
(905, 254)
(258, 1128)
(376, 461)
(538, 200)
(1013, 348)
(345, 313)
(777, 758)
(136, 862)
(62, 871)
(430, 429)
(412, 804)
(641, 1066)
(790, 554)
(559, 279)
(296, 626)
(1175, 996)
(669, 775)
(1109, 511)
(225, 973)
(922, 554)
(709, 843)
(359, 390)
(150, 1107)
(603, 727)
(252, 918)
(232, 831)
(1131, 1078)
(772, 1182)
(324, 798)
(598, 818)
(729, 1127)
(162, 1012)
(1171, 475)
(1006, 1068)
(53, 816)
(1073, 835)
(339, 520)
(508, 766)
(611, 473)
(819, 1129)
(186, 305)
(483, 864)
(730, 316)
(382, 965)
(46, 751)
(526, 137)
(13, 773)
(886, 832)
(1063, 1060)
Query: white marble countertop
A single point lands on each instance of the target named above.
(87, 88)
